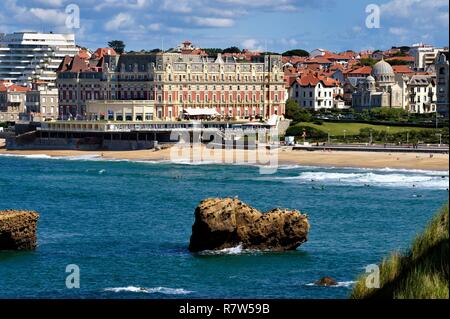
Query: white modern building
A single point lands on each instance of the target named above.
(31, 56)
(425, 56)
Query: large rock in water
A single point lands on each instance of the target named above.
(18, 230)
(227, 223)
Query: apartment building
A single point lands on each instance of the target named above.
(29, 56)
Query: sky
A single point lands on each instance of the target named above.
(265, 25)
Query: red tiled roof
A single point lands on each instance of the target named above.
(100, 52)
(312, 79)
(362, 70)
(13, 88)
(73, 64)
(402, 69)
(318, 60)
(401, 58)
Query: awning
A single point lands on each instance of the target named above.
(273, 121)
(200, 112)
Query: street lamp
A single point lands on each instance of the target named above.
(440, 138)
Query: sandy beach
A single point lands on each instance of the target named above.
(280, 157)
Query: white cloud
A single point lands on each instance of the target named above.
(211, 22)
(154, 27)
(119, 21)
(50, 16)
(179, 6)
(398, 31)
(128, 4)
(52, 3)
(413, 10)
(252, 45)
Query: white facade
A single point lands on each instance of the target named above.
(316, 97)
(27, 56)
(425, 56)
(422, 94)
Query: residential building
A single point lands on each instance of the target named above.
(422, 94)
(12, 101)
(42, 101)
(316, 92)
(425, 56)
(28, 56)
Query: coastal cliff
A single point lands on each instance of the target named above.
(227, 223)
(18, 230)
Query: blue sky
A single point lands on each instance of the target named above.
(275, 25)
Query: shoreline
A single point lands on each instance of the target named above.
(202, 155)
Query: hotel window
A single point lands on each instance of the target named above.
(198, 98)
(181, 98)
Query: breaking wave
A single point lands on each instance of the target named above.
(160, 290)
(429, 180)
(238, 250)
(339, 284)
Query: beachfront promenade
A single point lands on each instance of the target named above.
(431, 149)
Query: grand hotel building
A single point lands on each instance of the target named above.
(172, 83)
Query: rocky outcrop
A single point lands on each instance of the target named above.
(326, 282)
(18, 230)
(227, 223)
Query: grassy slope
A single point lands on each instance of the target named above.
(337, 129)
(420, 273)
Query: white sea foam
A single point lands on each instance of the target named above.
(238, 250)
(161, 290)
(32, 156)
(339, 284)
(102, 171)
(372, 178)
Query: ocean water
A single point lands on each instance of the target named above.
(127, 225)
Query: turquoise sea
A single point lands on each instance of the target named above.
(127, 227)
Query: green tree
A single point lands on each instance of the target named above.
(232, 50)
(213, 52)
(367, 62)
(296, 52)
(117, 45)
(296, 113)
